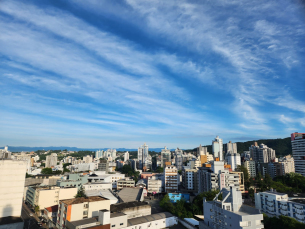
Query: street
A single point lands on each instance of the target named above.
(29, 221)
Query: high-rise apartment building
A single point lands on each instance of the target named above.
(12, 180)
(189, 180)
(262, 153)
(298, 152)
(142, 155)
(202, 150)
(250, 165)
(165, 156)
(217, 148)
(87, 159)
(170, 179)
(99, 154)
(233, 159)
(51, 160)
(231, 147)
(179, 161)
(126, 156)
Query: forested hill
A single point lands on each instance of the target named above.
(282, 147)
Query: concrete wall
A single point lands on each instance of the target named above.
(12, 186)
(118, 222)
(139, 211)
(156, 224)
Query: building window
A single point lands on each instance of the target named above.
(113, 225)
(121, 224)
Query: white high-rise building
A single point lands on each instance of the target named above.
(51, 160)
(145, 152)
(231, 147)
(11, 189)
(233, 160)
(143, 155)
(126, 156)
(99, 154)
(298, 152)
(217, 148)
(262, 153)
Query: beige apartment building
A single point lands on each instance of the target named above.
(250, 165)
(154, 184)
(80, 208)
(46, 196)
(125, 183)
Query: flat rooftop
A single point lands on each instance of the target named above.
(148, 218)
(83, 200)
(276, 193)
(117, 214)
(121, 206)
(299, 201)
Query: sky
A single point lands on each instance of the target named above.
(169, 73)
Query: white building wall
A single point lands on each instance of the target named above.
(156, 224)
(12, 180)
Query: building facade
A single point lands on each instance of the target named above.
(170, 179)
(190, 180)
(298, 152)
(217, 148)
(165, 156)
(11, 189)
(276, 204)
(250, 165)
(233, 159)
(51, 160)
(80, 208)
(154, 184)
(262, 153)
(230, 212)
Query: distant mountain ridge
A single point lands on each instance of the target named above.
(282, 147)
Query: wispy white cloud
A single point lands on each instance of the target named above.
(124, 86)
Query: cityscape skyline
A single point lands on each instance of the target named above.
(120, 74)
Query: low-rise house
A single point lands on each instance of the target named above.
(125, 183)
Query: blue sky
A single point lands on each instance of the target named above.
(168, 73)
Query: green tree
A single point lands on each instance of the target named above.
(80, 192)
(159, 169)
(46, 171)
(198, 201)
(36, 209)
